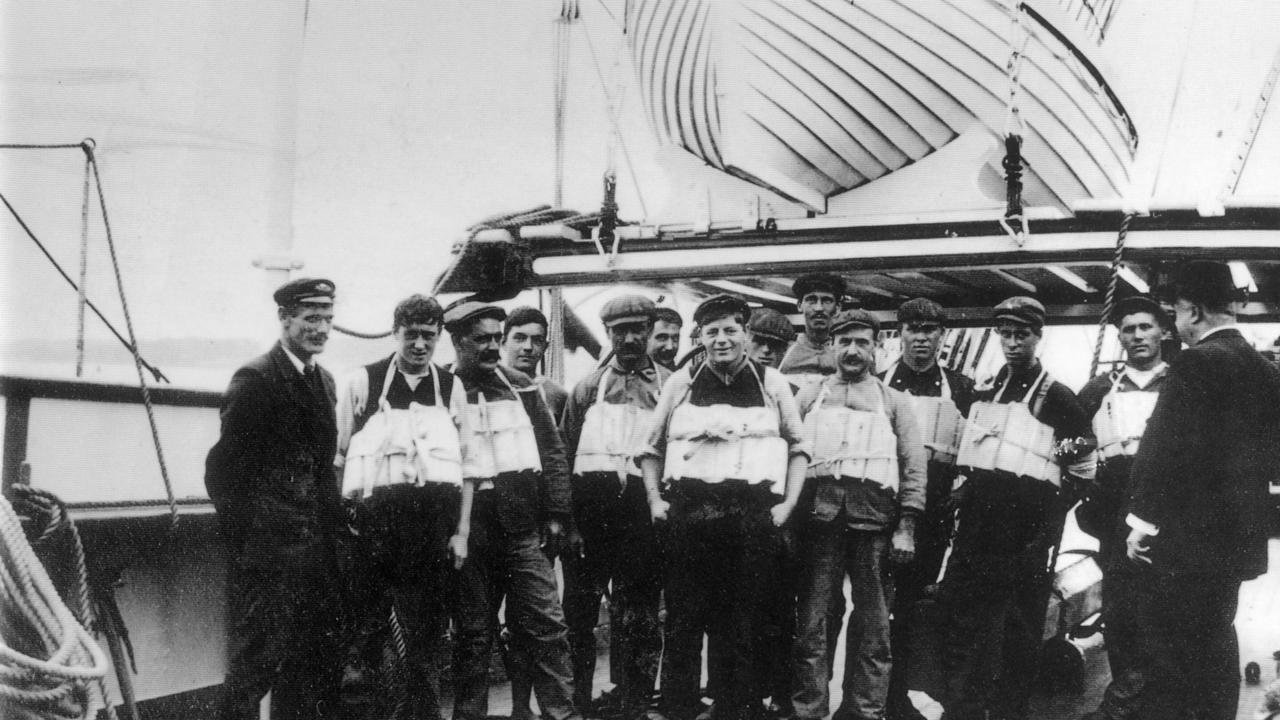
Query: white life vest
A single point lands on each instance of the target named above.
(612, 435)
(502, 439)
(852, 443)
(718, 442)
(1121, 421)
(1007, 436)
(412, 446)
(940, 421)
(804, 380)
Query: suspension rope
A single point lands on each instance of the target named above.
(84, 272)
(1110, 303)
(568, 15)
(615, 112)
(1014, 221)
(133, 342)
(362, 335)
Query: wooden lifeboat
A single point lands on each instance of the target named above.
(814, 98)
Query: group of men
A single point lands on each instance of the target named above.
(741, 489)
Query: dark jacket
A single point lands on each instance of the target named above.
(271, 471)
(1209, 452)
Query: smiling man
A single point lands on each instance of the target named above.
(524, 345)
(868, 478)
(399, 457)
(818, 299)
(271, 480)
(724, 447)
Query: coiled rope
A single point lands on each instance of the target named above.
(67, 681)
(1110, 303)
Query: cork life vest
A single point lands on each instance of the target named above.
(1121, 421)
(1008, 437)
(612, 435)
(852, 443)
(411, 446)
(719, 442)
(941, 423)
(501, 440)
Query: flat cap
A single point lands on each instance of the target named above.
(1138, 303)
(854, 318)
(921, 309)
(1021, 309)
(464, 309)
(524, 315)
(806, 284)
(305, 290)
(718, 306)
(1207, 282)
(771, 324)
(627, 309)
(668, 314)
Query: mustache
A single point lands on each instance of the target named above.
(489, 357)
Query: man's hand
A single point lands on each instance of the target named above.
(658, 509)
(552, 537)
(1137, 547)
(903, 545)
(781, 513)
(458, 550)
(575, 545)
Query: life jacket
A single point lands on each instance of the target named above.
(501, 440)
(940, 421)
(612, 435)
(714, 443)
(1121, 421)
(411, 446)
(852, 443)
(1008, 437)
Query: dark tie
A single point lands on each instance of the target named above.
(312, 377)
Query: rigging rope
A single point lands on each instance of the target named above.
(1014, 221)
(614, 112)
(362, 335)
(1109, 304)
(84, 272)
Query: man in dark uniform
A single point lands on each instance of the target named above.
(271, 480)
(400, 461)
(604, 425)
(664, 343)
(1025, 452)
(726, 442)
(1199, 500)
(943, 399)
(818, 298)
(524, 345)
(515, 455)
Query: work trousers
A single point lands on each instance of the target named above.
(720, 542)
(284, 624)
(1189, 619)
(403, 563)
(509, 564)
(1128, 649)
(620, 558)
(831, 550)
(996, 592)
(910, 580)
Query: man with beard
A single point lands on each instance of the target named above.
(1199, 500)
(1120, 402)
(818, 299)
(726, 442)
(604, 427)
(1026, 456)
(941, 398)
(271, 480)
(868, 485)
(515, 456)
(524, 344)
(399, 458)
(664, 343)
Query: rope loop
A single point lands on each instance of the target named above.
(1109, 304)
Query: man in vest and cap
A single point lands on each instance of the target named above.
(399, 458)
(941, 399)
(868, 485)
(524, 345)
(271, 480)
(1120, 403)
(604, 427)
(664, 343)
(818, 298)
(725, 444)
(1026, 453)
(515, 456)
(769, 336)
(1198, 504)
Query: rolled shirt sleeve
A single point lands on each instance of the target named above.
(353, 393)
(673, 393)
(913, 464)
(790, 427)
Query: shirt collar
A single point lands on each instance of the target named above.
(1143, 378)
(1220, 328)
(728, 377)
(300, 366)
(647, 370)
